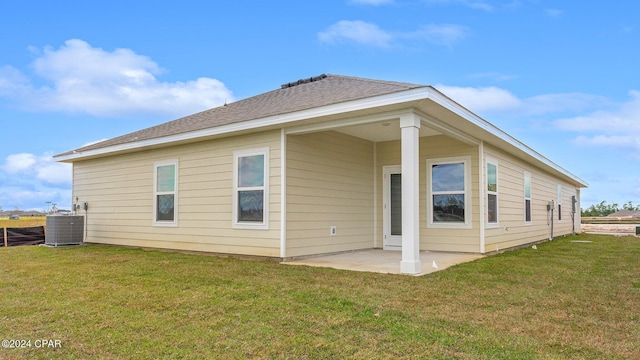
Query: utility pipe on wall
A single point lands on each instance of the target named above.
(550, 206)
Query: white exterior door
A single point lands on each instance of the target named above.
(392, 206)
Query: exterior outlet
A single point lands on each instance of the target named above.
(332, 230)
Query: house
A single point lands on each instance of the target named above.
(324, 165)
(625, 214)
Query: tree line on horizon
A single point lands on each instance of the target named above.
(604, 209)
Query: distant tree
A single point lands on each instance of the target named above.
(629, 206)
(604, 209)
(601, 209)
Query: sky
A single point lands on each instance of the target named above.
(560, 76)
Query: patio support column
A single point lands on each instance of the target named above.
(410, 128)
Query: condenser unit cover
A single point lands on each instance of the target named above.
(64, 230)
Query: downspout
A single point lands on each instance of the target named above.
(483, 189)
(283, 194)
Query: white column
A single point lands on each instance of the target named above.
(410, 127)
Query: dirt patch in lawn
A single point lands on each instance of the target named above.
(610, 228)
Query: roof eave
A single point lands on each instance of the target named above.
(282, 119)
(476, 120)
(421, 93)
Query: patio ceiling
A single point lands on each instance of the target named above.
(381, 131)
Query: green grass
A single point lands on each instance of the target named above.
(565, 300)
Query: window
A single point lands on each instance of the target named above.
(448, 189)
(165, 193)
(250, 184)
(559, 202)
(527, 197)
(492, 192)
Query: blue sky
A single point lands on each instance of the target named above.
(561, 76)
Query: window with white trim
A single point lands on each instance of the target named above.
(449, 192)
(527, 197)
(250, 188)
(165, 190)
(492, 191)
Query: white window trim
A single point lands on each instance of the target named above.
(524, 197)
(157, 164)
(494, 162)
(466, 160)
(264, 225)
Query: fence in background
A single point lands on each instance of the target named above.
(22, 236)
(608, 220)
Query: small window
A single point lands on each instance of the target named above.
(165, 193)
(448, 189)
(559, 202)
(492, 192)
(527, 197)
(250, 177)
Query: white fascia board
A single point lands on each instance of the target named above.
(358, 120)
(383, 100)
(448, 130)
(461, 111)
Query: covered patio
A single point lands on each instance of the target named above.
(385, 261)
(406, 126)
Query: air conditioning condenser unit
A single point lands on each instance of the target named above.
(64, 230)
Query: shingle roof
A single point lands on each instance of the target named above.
(625, 213)
(300, 95)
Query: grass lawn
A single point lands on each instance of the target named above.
(573, 300)
(24, 221)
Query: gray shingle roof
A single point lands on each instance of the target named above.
(301, 95)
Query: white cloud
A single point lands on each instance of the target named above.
(625, 119)
(85, 79)
(492, 100)
(30, 180)
(358, 32)
(554, 13)
(617, 128)
(24, 197)
(482, 99)
(369, 34)
(563, 102)
(41, 167)
(609, 140)
(447, 34)
(16, 163)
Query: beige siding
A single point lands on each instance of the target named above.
(434, 147)
(511, 229)
(119, 190)
(329, 183)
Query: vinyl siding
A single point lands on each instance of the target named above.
(329, 183)
(433, 147)
(119, 190)
(511, 229)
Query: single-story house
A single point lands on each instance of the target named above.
(323, 165)
(625, 214)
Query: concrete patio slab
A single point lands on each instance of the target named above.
(384, 261)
